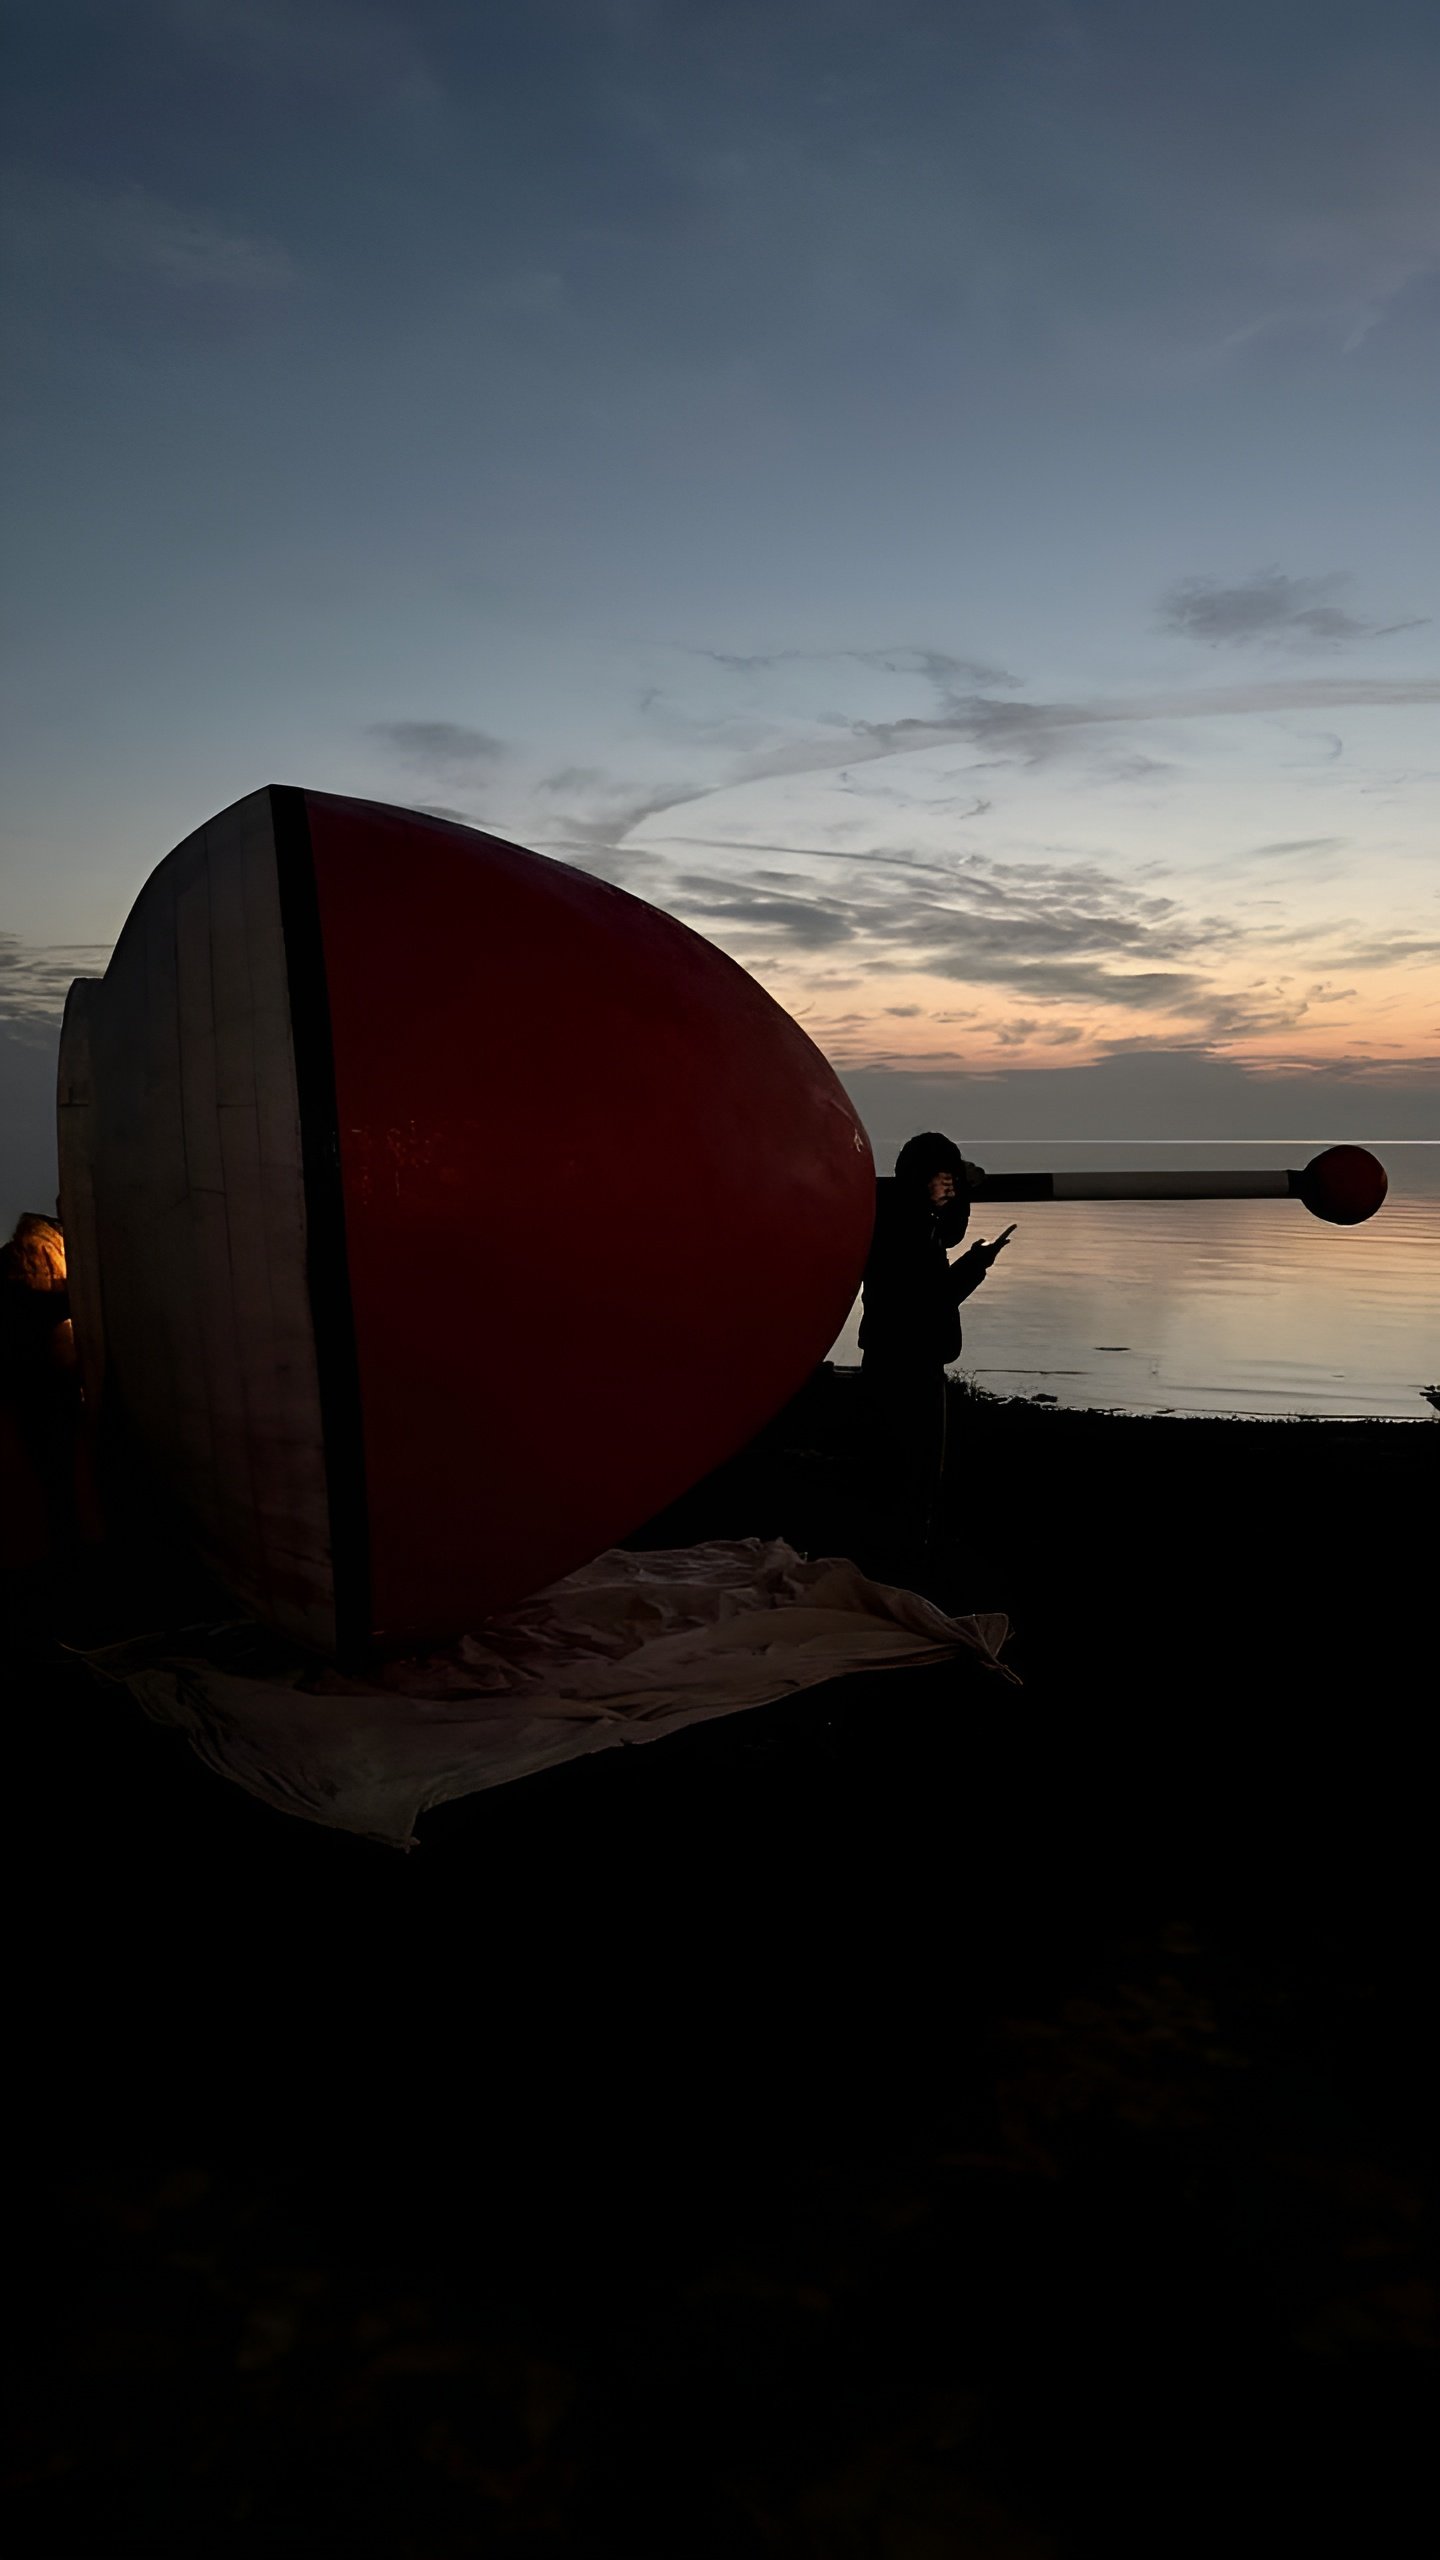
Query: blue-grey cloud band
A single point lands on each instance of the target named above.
(1269, 608)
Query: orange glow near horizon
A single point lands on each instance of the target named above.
(923, 1023)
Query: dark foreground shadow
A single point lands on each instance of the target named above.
(924, 2118)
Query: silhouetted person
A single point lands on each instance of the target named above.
(909, 1331)
(39, 1394)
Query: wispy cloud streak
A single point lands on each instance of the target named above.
(35, 979)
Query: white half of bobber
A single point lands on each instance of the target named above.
(182, 1192)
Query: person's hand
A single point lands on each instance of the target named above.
(987, 1253)
(974, 1175)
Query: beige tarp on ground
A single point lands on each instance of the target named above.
(630, 1648)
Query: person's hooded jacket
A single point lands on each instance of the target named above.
(912, 1291)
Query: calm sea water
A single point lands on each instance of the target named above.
(1208, 1306)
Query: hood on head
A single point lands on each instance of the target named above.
(920, 1159)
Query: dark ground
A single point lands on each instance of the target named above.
(926, 2118)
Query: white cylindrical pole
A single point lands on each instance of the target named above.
(1344, 1185)
(1172, 1186)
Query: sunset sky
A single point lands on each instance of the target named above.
(943, 495)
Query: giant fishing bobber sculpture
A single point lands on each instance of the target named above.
(437, 1213)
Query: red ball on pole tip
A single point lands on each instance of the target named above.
(1345, 1185)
